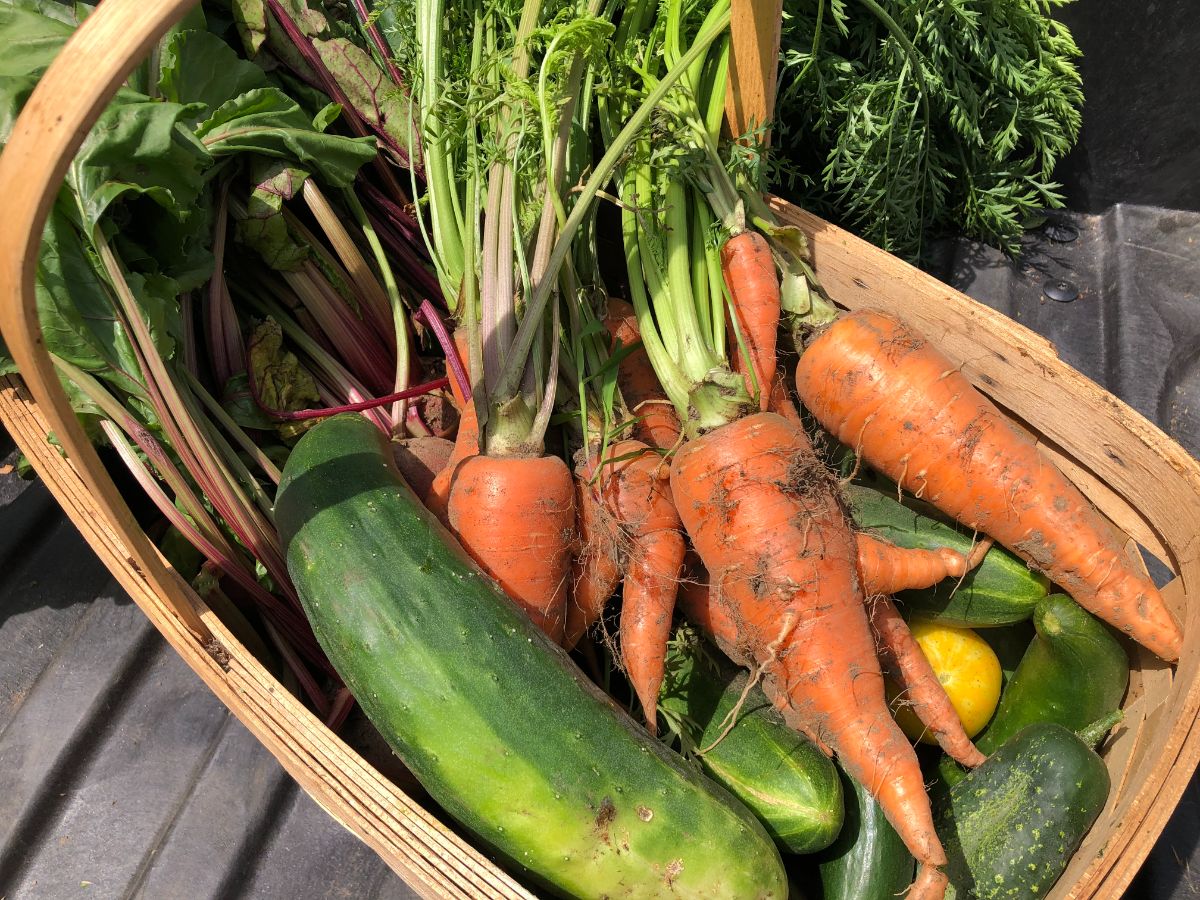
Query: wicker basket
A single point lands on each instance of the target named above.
(1139, 478)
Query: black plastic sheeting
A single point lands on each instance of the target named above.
(1141, 129)
(121, 776)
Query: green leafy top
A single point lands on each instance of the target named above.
(910, 119)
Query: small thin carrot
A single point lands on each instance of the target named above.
(597, 566)
(885, 568)
(904, 661)
(749, 271)
(657, 425)
(466, 442)
(641, 501)
(909, 412)
(637, 530)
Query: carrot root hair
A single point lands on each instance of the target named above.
(773, 537)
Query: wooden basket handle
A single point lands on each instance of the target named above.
(754, 29)
(67, 101)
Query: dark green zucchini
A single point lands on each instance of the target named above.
(1073, 673)
(1000, 591)
(492, 718)
(781, 775)
(1010, 643)
(1010, 827)
(868, 861)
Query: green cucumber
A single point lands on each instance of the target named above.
(868, 861)
(1009, 643)
(1073, 673)
(781, 775)
(1010, 827)
(494, 719)
(1000, 591)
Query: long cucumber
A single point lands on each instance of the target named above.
(494, 719)
(745, 746)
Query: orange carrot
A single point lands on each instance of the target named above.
(658, 425)
(635, 499)
(753, 285)
(466, 441)
(466, 445)
(885, 568)
(640, 499)
(516, 517)
(597, 566)
(763, 515)
(911, 414)
(904, 661)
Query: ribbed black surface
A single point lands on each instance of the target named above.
(120, 770)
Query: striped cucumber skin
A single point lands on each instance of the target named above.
(1010, 827)
(868, 861)
(778, 773)
(495, 720)
(1000, 591)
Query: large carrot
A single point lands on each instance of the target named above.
(764, 518)
(904, 661)
(753, 284)
(516, 518)
(896, 647)
(908, 412)
(657, 424)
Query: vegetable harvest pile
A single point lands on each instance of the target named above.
(475, 385)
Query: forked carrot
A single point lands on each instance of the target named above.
(885, 568)
(657, 425)
(640, 500)
(881, 389)
(750, 277)
(904, 661)
(635, 500)
(764, 518)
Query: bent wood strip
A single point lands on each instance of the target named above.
(64, 105)
(1150, 478)
(433, 860)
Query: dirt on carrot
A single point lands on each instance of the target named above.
(911, 414)
(782, 563)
